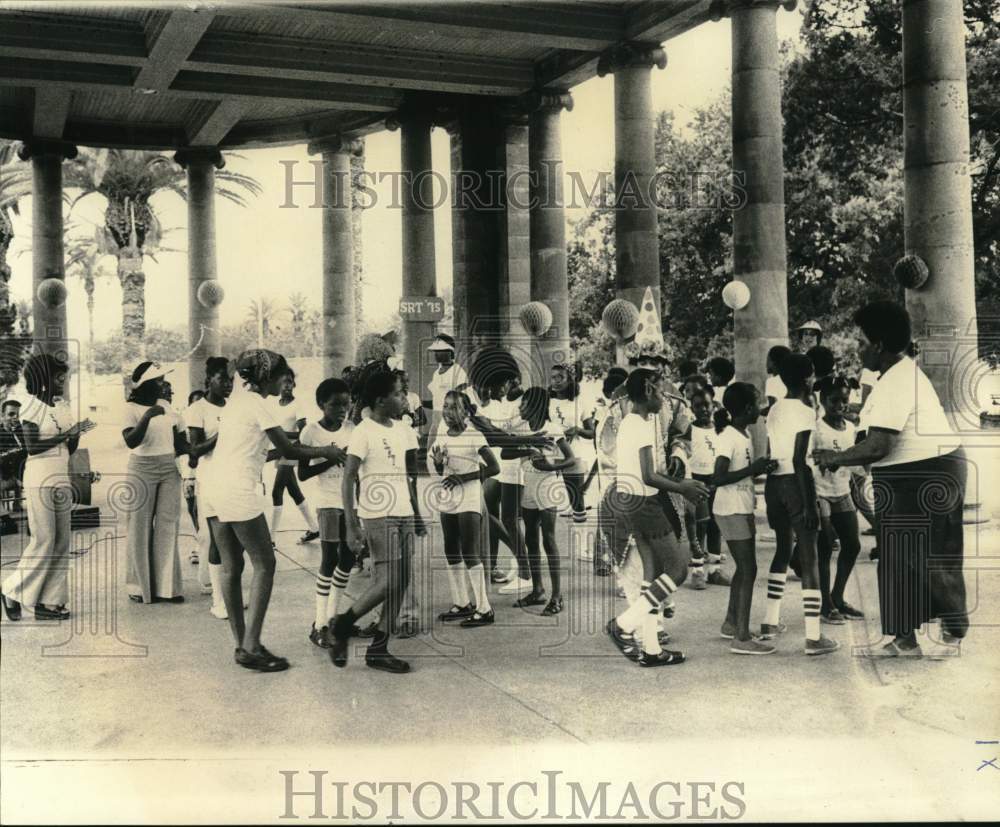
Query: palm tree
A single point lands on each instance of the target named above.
(128, 179)
(259, 314)
(83, 261)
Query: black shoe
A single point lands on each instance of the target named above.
(665, 658)
(341, 634)
(873, 554)
(553, 607)
(369, 631)
(261, 660)
(308, 537)
(381, 659)
(177, 599)
(457, 612)
(320, 637)
(11, 608)
(478, 619)
(45, 613)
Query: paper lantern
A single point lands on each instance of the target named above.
(911, 272)
(536, 318)
(736, 295)
(211, 293)
(620, 319)
(52, 292)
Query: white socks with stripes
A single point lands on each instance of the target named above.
(651, 599)
(811, 601)
(775, 591)
(322, 598)
(338, 591)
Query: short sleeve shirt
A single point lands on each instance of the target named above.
(634, 434)
(703, 442)
(329, 484)
(159, 439)
(462, 458)
(831, 484)
(441, 383)
(787, 419)
(775, 388)
(241, 449)
(382, 450)
(904, 400)
(50, 467)
(738, 497)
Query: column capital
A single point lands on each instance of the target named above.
(335, 144)
(431, 110)
(723, 8)
(625, 55)
(38, 147)
(538, 99)
(199, 156)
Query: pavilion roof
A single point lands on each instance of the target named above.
(170, 75)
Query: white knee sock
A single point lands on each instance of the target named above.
(775, 591)
(215, 578)
(459, 583)
(322, 596)
(652, 597)
(811, 600)
(337, 592)
(275, 521)
(477, 578)
(650, 638)
(308, 515)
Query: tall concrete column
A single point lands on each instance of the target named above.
(338, 254)
(419, 270)
(47, 256)
(637, 248)
(203, 316)
(938, 203)
(549, 280)
(759, 255)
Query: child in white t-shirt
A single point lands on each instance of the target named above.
(462, 458)
(836, 505)
(333, 397)
(188, 467)
(774, 388)
(291, 414)
(733, 476)
(702, 464)
(790, 497)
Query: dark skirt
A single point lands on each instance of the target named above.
(622, 515)
(919, 506)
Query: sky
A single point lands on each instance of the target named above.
(266, 250)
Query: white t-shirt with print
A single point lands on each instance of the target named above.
(904, 400)
(462, 458)
(159, 439)
(703, 442)
(504, 415)
(329, 490)
(832, 484)
(382, 450)
(738, 497)
(785, 420)
(634, 434)
(203, 414)
(573, 413)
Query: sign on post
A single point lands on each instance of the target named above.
(421, 308)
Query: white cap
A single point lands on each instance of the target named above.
(152, 371)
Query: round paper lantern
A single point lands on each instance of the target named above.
(620, 319)
(52, 292)
(211, 293)
(736, 295)
(536, 318)
(911, 272)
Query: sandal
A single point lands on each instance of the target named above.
(261, 660)
(533, 599)
(457, 612)
(11, 608)
(553, 607)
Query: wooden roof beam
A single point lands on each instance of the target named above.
(350, 63)
(210, 121)
(54, 37)
(546, 26)
(171, 44)
(51, 108)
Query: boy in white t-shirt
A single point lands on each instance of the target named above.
(380, 499)
(774, 388)
(188, 467)
(292, 416)
(333, 397)
(790, 497)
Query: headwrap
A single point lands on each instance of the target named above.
(256, 366)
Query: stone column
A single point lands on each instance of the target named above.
(938, 204)
(338, 255)
(637, 249)
(759, 257)
(419, 271)
(47, 257)
(203, 316)
(549, 280)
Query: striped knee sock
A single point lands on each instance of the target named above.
(811, 600)
(652, 597)
(322, 595)
(775, 591)
(338, 592)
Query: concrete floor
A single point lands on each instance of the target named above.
(149, 679)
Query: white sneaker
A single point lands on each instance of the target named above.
(698, 579)
(516, 586)
(219, 611)
(206, 589)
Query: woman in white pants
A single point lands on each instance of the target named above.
(39, 580)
